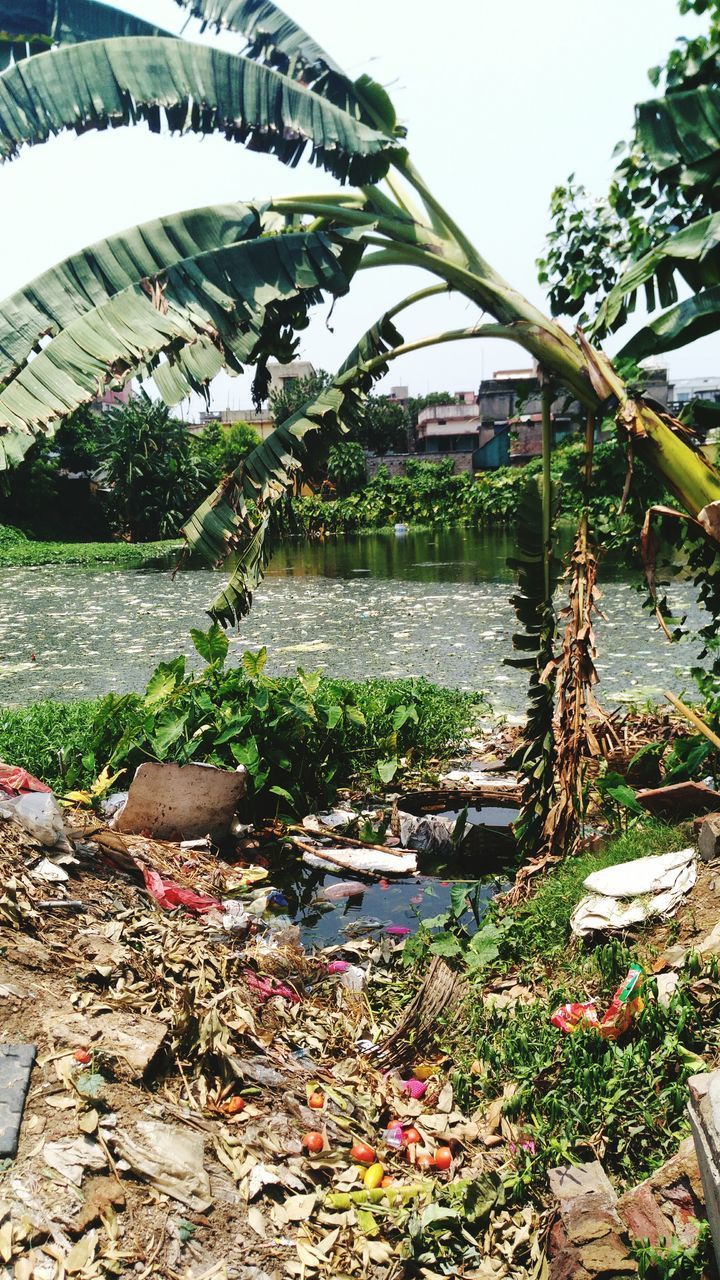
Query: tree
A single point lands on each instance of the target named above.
(294, 395)
(149, 469)
(383, 427)
(183, 296)
(346, 467)
(218, 449)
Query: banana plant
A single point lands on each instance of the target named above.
(178, 299)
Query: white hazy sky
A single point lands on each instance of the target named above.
(503, 101)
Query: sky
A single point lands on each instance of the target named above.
(503, 100)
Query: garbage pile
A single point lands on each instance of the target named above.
(186, 1092)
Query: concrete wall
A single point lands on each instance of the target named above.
(396, 463)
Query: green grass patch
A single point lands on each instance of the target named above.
(124, 555)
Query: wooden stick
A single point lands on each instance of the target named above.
(358, 844)
(694, 719)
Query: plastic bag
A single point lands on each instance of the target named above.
(39, 813)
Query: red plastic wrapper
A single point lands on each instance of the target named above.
(625, 1004)
(267, 988)
(14, 780)
(570, 1017)
(171, 895)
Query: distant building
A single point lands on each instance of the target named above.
(282, 378)
(683, 390)
(112, 399)
(449, 428)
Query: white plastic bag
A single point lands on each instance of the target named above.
(39, 813)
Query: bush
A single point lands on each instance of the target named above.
(300, 738)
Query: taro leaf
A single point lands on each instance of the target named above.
(355, 716)
(254, 663)
(458, 830)
(459, 896)
(212, 645)
(285, 795)
(165, 679)
(334, 717)
(169, 726)
(386, 769)
(402, 714)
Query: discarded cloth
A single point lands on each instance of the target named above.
(633, 892)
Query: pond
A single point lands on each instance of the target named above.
(432, 603)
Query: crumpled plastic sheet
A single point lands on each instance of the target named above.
(14, 780)
(633, 892)
(171, 895)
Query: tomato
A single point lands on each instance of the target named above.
(411, 1136)
(388, 1181)
(443, 1158)
(231, 1106)
(374, 1176)
(314, 1142)
(362, 1153)
(316, 1101)
(82, 1055)
(425, 1160)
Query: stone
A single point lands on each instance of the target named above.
(643, 1217)
(568, 1182)
(607, 1257)
(704, 1113)
(182, 802)
(709, 838)
(16, 1064)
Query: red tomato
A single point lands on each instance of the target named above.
(362, 1153)
(443, 1158)
(231, 1106)
(314, 1142)
(82, 1055)
(411, 1136)
(425, 1160)
(316, 1101)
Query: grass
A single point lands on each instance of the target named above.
(576, 1097)
(124, 555)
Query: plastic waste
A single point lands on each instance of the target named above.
(14, 780)
(345, 889)
(354, 978)
(624, 1006)
(333, 820)
(112, 805)
(415, 1088)
(39, 813)
(269, 988)
(170, 895)
(400, 864)
(170, 1158)
(632, 892)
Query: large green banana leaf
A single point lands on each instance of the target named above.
(90, 278)
(275, 37)
(695, 318)
(693, 254)
(42, 23)
(108, 83)
(240, 517)
(680, 137)
(241, 298)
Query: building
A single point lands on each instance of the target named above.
(282, 378)
(450, 429)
